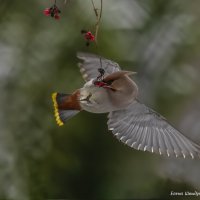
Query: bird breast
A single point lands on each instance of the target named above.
(95, 99)
(126, 92)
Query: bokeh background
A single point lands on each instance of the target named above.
(38, 160)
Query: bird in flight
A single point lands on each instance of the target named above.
(108, 89)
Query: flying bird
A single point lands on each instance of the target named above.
(108, 89)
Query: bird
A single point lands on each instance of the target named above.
(109, 89)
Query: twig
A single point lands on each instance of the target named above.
(98, 16)
(101, 9)
(95, 9)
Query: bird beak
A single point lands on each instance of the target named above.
(131, 73)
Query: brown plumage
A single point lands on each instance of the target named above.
(117, 75)
(70, 102)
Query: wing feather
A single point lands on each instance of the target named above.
(155, 144)
(142, 128)
(90, 64)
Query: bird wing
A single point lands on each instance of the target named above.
(91, 63)
(142, 128)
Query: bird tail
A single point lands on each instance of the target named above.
(65, 107)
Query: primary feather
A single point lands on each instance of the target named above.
(143, 129)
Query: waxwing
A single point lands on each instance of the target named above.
(108, 89)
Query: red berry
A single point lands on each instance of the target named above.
(100, 84)
(56, 16)
(53, 12)
(92, 38)
(47, 11)
(89, 36)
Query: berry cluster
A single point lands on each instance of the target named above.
(89, 37)
(53, 12)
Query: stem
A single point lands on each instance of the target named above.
(95, 9)
(98, 16)
(101, 9)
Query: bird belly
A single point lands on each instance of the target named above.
(99, 102)
(96, 109)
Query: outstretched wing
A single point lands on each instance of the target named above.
(90, 64)
(142, 128)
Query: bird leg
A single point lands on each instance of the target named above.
(87, 98)
(101, 76)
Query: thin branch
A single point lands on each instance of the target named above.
(101, 9)
(95, 9)
(98, 16)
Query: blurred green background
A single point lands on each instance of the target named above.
(38, 160)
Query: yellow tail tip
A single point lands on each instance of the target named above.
(56, 113)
